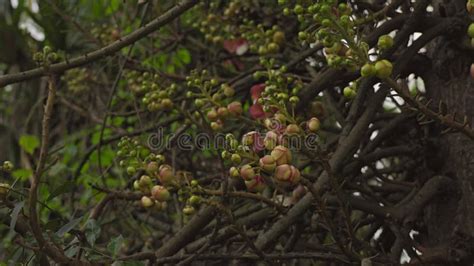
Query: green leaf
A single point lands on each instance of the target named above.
(71, 252)
(15, 213)
(184, 55)
(68, 227)
(114, 246)
(92, 231)
(112, 7)
(22, 173)
(29, 143)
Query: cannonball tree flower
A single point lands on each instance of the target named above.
(256, 92)
(236, 46)
(256, 110)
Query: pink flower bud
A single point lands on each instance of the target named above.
(247, 172)
(235, 108)
(472, 71)
(283, 172)
(267, 163)
(222, 112)
(212, 114)
(256, 184)
(160, 193)
(281, 154)
(152, 168)
(313, 124)
(166, 174)
(270, 141)
(145, 181)
(298, 193)
(292, 129)
(295, 175)
(287, 173)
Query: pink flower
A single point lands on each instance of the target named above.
(256, 111)
(236, 46)
(256, 91)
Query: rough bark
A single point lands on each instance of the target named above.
(450, 218)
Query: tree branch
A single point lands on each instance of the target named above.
(108, 50)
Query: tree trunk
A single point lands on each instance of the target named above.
(450, 218)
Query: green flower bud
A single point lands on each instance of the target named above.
(235, 158)
(383, 69)
(4, 188)
(367, 70)
(470, 30)
(131, 170)
(234, 172)
(349, 93)
(147, 202)
(228, 90)
(225, 155)
(7, 166)
(298, 9)
(385, 42)
(194, 200)
(313, 124)
(188, 210)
